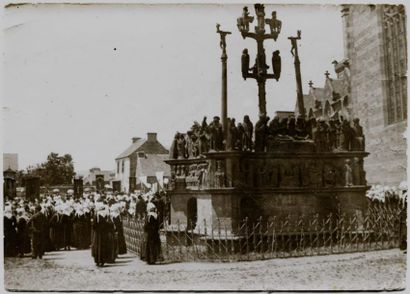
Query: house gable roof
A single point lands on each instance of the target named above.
(132, 148)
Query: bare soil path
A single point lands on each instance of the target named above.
(75, 270)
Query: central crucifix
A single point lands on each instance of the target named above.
(259, 71)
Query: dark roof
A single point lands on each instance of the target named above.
(152, 163)
(132, 148)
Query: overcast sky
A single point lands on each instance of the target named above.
(84, 79)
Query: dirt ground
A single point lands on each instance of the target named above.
(75, 270)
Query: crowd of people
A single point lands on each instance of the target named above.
(333, 134)
(94, 220)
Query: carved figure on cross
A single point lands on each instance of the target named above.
(294, 42)
(275, 25)
(243, 22)
(223, 36)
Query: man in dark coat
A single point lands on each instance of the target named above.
(37, 224)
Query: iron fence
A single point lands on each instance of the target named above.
(278, 237)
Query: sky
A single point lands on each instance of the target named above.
(85, 79)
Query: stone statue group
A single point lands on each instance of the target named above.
(334, 134)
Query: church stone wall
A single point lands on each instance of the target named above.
(363, 26)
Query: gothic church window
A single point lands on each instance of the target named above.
(395, 55)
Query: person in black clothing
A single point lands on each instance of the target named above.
(23, 238)
(152, 242)
(140, 208)
(67, 223)
(36, 224)
(10, 234)
(102, 238)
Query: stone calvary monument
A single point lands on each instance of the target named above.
(226, 171)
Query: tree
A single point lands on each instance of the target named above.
(57, 170)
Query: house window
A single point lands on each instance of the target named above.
(395, 47)
(123, 166)
(118, 167)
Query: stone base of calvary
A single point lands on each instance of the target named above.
(230, 186)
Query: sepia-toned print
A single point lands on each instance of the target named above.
(267, 152)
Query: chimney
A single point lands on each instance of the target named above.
(135, 139)
(152, 137)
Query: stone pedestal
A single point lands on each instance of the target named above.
(32, 185)
(229, 186)
(9, 184)
(78, 188)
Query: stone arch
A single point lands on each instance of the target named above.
(249, 209)
(192, 212)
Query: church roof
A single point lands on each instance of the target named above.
(318, 93)
(338, 86)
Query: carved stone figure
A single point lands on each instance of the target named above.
(275, 25)
(247, 138)
(276, 65)
(203, 175)
(329, 175)
(261, 133)
(301, 131)
(260, 14)
(188, 147)
(195, 145)
(338, 130)
(223, 34)
(321, 136)
(359, 177)
(240, 135)
(274, 127)
(332, 135)
(294, 42)
(219, 175)
(346, 136)
(273, 174)
(261, 63)
(215, 127)
(289, 175)
(245, 63)
(232, 137)
(174, 147)
(311, 128)
(348, 173)
(243, 22)
(292, 126)
(181, 146)
(204, 137)
(315, 175)
(358, 140)
(283, 126)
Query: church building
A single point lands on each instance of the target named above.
(371, 84)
